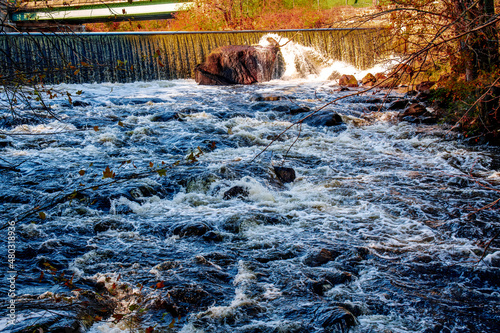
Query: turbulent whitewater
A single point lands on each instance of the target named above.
(382, 230)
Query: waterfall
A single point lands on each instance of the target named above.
(129, 57)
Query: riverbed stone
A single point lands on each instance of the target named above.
(368, 80)
(113, 224)
(321, 257)
(414, 110)
(336, 318)
(190, 229)
(324, 118)
(266, 98)
(398, 104)
(300, 110)
(236, 192)
(286, 175)
(348, 81)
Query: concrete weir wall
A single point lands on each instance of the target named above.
(129, 57)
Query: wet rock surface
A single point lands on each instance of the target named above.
(237, 64)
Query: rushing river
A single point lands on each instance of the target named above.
(136, 225)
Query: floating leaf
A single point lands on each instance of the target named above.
(229, 131)
(160, 285)
(133, 307)
(191, 158)
(76, 72)
(96, 128)
(79, 92)
(172, 323)
(120, 124)
(42, 215)
(160, 63)
(50, 267)
(150, 329)
(162, 172)
(107, 173)
(151, 164)
(81, 172)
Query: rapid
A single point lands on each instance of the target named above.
(126, 221)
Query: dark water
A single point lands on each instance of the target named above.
(381, 231)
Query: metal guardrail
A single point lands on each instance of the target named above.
(99, 11)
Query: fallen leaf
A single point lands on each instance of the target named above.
(107, 173)
(118, 316)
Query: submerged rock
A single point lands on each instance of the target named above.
(190, 229)
(320, 258)
(324, 118)
(415, 110)
(417, 113)
(336, 319)
(236, 192)
(398, 104)
(286, 175)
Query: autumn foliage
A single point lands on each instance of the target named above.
(219, 15)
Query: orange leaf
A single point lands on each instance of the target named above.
(151, 164)
(96, 128)
(118, 316)
(150, 329)
(160, 285)
(42, 215)
(107, 173)
(81, 172)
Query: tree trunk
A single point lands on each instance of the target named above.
(478, 49)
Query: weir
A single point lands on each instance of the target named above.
(128, 57)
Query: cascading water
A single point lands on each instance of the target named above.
(129, 57)
(142, 208)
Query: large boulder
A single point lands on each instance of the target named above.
(369, 80)
(238, 64)
(348, 81)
